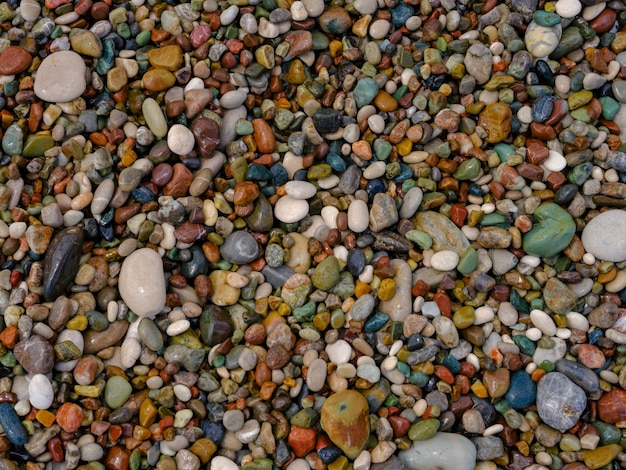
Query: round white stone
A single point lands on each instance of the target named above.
(445, 260)
(40, 392)
(541, 41)
(91, 452)
(376, 123)
(316, 376)
(603, 236)
(379, 29)
(298, 11)
(568, 8)
(290, 210)
(314, 7)
(555, 162)
(142, 282)
(60, 77)
(300, 189)
(30, 9)
(339, 352)
(180, 139)
(358, 216)
(375, 170)
(366, 7)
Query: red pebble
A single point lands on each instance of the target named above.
(301, 440)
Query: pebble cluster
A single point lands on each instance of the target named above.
(308, 234)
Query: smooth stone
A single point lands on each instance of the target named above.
(117, 391)
(155, 119)
(612, 406)
(603, 236)
(345, 418)
(290, 210)
(240, 248)
(326, 274)
(35, 355)
(560, 402)
(447, 451)
(13, 427)
(62, 261)
(383, 213)
(180, 139)
(142, 282)
(522, 390)
(40, 392)
(445, 235)
(60, 77)
(358, 216)
(365, 91)
(400, 305)
(552, 231)
(541, 41)
(558, 296)
(14, 60)
(581, 375)
(479, 62)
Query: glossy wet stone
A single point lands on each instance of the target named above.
(61, 261)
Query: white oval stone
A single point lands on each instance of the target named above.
(603, 236)
(300, 189)
(443, 450)
(233, 99)
(154, 117)
(180, 139)
(358, 216)
(290, 210)
(379, 29)
(366, 7)
(40, 392)
(555, 162)
(223, 463)
(568, 8)
(339, 352)
(316, 376)
(60, 77)
(298, 11)
(541, 41)
(142, 282)
(543, 321)
(445, 260)
(375, 170)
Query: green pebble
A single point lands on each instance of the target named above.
(117, 391)
(610, 107)
(143, 38)
(424, 430)
(424, 240)
(546, 18)
(468, 170)
(552, 232)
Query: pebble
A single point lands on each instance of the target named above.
(142, 282)
(442, 450)
(600, 238)
(560, 402)
(60, 77)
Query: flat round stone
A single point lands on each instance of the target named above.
(60, 77)
(603, 236)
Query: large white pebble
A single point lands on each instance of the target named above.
(40, 392)
(223, 463)
(445, 260)
(339, 352)
(543, 321)
(180, 139)
(604, 238)
(568, 8)
(142, 282)
(555, 162)
(290, 210)
(300, 189)
(358, 216)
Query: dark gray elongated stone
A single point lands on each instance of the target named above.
(61, 263)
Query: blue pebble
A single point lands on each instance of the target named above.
(142, 194)
(213, 431)
(258, 172)
(376, 322)
(401, 13)
(522, 392)
(336, 162)
(13, 427)
(279, 175)
(356, 262)
(405, 174)
(542, 108)
(595, 336)
(374, 187)
(452, 364)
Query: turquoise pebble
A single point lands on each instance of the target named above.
(610, 107)
(546, 18)
(376, 322)
(365, 91)
(522, 391)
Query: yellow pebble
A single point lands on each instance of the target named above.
(445, 89)
(405, 147)
(79, 323)
(479, 389)
(340, 463)
(424, 367)
(284, 309)
(45, 418)
(387, 289)
(361, 288)
(549, 6)
(289, 382)
(335, 48)
(601, 456)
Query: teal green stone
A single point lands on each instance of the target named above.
(224, 265)
(365, 91)
(134, 462)
(546, 18)
(105, 61)
(143, 38)
(404, 368)
(36, 145)
(117, 391)
(124, 30)
(492, 219)
(609, 433)
(468, 169)
(610, 107)
(548, 366)
(580, 173)
(376, 322)
(13, 140)
(320, 41)
(581, 114)
(97, 321)
(304, 313)
(468, 261)
(504, 151)
(400, 92)
(382, 149)
(219, 360)
(406, 59)
(502, 406)
(552, 231)
(231, 31)
(536, 304)
(11, 88)
(244, 127)
(345, 287)
(8, 360)
(424, 240)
